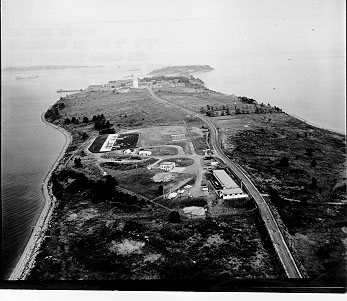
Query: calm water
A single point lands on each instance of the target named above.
(311, 88)
(29, 147)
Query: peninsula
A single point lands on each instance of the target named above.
(180, 70)
(167, 179)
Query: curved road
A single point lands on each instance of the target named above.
(277, 239)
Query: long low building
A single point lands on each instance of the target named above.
(230, 189)
(224, 179)
(232, 193)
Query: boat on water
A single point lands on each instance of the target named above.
(26, 76)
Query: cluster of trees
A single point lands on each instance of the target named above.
(247, 100)
(212, 111)
(100, 122)
(53, 113)
(104, 189)
(73, 120)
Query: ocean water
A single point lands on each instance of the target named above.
(29, 147)
(313, 88)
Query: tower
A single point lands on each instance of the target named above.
(135, 81)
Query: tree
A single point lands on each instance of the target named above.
(174, 217)
(85, 119)
(309, 151)
(84, 136)
(313, 163)
(107, 124)
(275, 197)
(160, 189)
(313, 184)
(61, 105)
(78, 162)
(67, 121)
(284, 162)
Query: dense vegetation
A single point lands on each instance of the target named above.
(301, 168)
(99, 233)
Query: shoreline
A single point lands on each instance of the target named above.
(316, 125)
(27, 259)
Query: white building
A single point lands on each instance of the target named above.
(232, 193)
(167, 166)
(135, 81)
(145, 153)
(224, 179)
(127, 152)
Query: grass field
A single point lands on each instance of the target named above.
(133, 109)
(194, 99)
(162, 151)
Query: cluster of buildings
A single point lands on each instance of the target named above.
(124, 85)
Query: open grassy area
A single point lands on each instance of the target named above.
(194, 99)
(308, 188)
(162, 151)
(133, 109)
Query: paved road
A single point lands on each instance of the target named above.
(277, 239)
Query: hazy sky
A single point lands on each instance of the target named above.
(40, 32)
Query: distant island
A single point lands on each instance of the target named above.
(180, 70)
(48, 67)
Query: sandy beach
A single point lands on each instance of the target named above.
(27, 259)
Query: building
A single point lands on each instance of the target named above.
(224, 179)
(167, 166)
(232, 193)
(94, 88)
(135, 81)
(180, 85)
(127, 152)
(145, 153)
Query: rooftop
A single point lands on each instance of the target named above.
(224, 179)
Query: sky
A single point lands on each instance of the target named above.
(109, 32)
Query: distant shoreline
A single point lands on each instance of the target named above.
(48, 67)
(27, 259)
